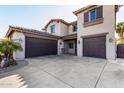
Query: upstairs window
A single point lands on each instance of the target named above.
(92, 15)
(53, 29)
(74, 28)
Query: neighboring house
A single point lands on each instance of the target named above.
(92, 35)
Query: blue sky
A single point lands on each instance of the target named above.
(37, 16)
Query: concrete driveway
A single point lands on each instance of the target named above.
(65, 71)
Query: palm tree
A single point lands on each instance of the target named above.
(120, 29)
(120, 32)
(120, 40)
(8, 46)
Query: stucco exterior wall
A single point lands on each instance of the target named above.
(17, 36)
(70, 30)
(57, 28)
(61, 28)
(108, 25)
(60, 47)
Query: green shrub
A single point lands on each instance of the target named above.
(7, 47)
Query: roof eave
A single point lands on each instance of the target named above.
(58, 20)
(82, 9)
(117, 7)
(29, 31)
(8, 32)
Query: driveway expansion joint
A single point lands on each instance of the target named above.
(100, 75)
(57, 78)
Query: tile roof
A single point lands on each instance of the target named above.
(82, 9)
(58, 20)
(30, 31)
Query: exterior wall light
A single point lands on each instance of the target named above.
(60, 43)
(78, 41)
(111, 40)
(20, 40)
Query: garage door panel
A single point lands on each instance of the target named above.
(40, 47)
(94, 47)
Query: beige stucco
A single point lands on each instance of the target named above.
(17, 36)
(70, 30)
(57, 27)
(61, 28)
(60, 47)
(108, 25)
(67, 49)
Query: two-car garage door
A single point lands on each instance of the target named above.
(40, 47)
(94, 46)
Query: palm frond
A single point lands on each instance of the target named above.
(8, 46)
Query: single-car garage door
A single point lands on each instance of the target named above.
(94, 46)
(40, 47)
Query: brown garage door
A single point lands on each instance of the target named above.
(94, 47)
(40, 47)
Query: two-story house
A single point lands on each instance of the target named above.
(92, 35)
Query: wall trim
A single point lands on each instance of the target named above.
(95, 35)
